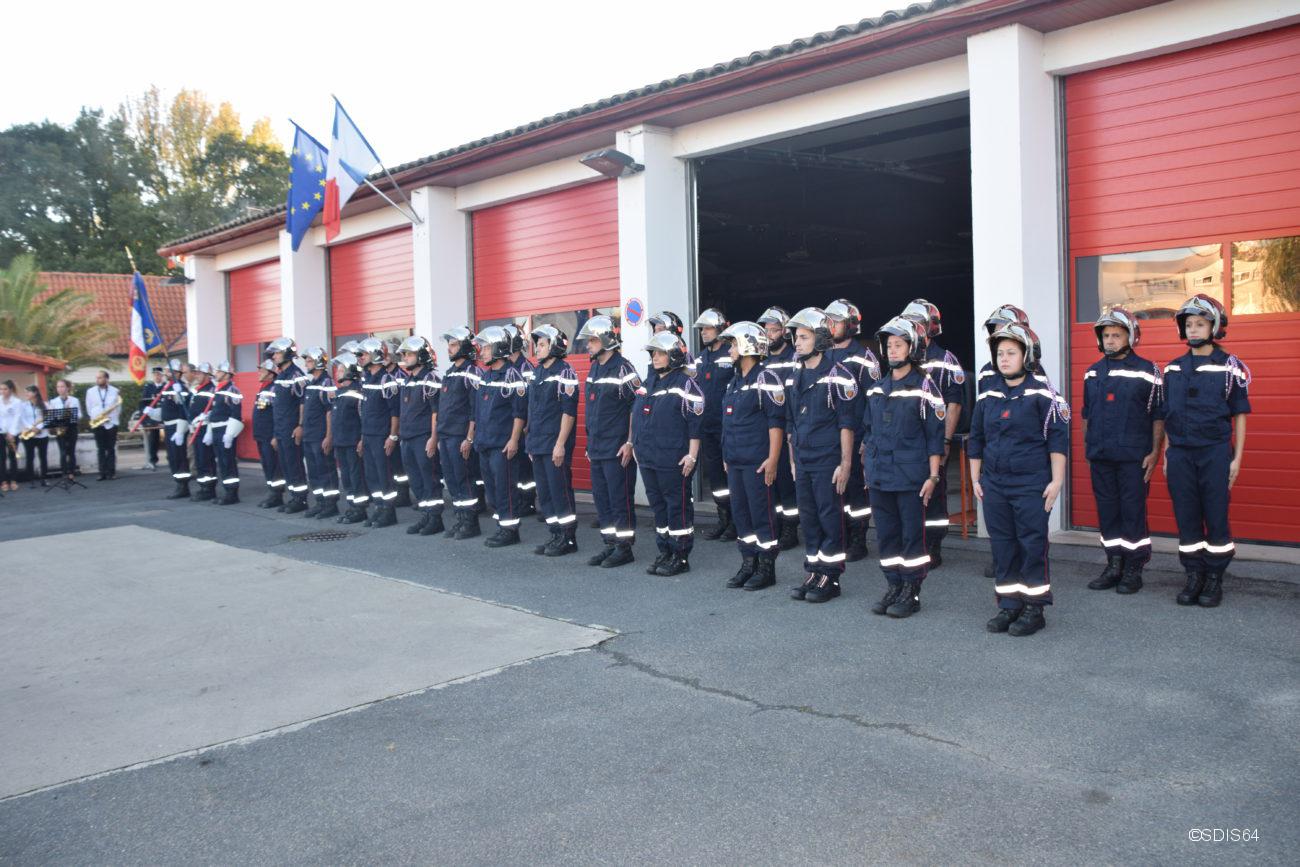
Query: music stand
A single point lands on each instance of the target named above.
(62, 421)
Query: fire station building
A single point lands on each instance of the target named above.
(1060, 156)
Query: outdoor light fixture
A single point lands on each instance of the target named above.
(177, 280)
(611, 163)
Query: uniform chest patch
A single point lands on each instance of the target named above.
(730, 408)
(1110, 397)
(1006, 413)
(708, 375)
(645, 410)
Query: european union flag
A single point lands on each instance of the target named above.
(306, 184)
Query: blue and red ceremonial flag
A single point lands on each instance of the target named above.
(144, 329)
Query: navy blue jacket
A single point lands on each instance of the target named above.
(316, 406)
(176, 403)
(713, 371)
(226, 404)
(820, 403)
(502, 398)
(381, 404)
(420, 391)
(552, 394)
(990, 378)
(610, 390)
(290, 386)
(1015, 430)
(1120, 400)
(946, 372)
(200, 398)
(753, 404)
(864, 366)
(782, 362)
(147, 393)
(902, 422)
(456, 400)
(264, 413)
(666, 419)
(345, 415)
(1201, 395)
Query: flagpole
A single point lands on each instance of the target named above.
(398, 187)
(415, 221)
(413, 217)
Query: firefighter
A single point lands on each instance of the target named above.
(903, 426)
(1018, 445)
(225, 425)
(550, 438)
(666, 422)
(202, 396)
(753, 440)
(846, 322)
(1206, 401)
(781, 361)
(1121, 398)
(344, 439)
(823, 418)
(456, 431)
(322, 473)
(500, 412)
(176, 423)
(417, 426)
(264, 436)
(712, 370)
(289, 387)
(400, 478)
(519, 361)
(380, 414)
(609, 391)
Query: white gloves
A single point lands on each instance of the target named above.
(207, 436)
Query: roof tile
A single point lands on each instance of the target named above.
(110, 301)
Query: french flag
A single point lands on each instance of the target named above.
(144, 330)
(351, 158)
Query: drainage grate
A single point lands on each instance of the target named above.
(323, 536)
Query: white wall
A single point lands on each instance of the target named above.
(207, 314)
(441, 265)
(304, 297)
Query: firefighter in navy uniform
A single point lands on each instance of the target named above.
(945, 371)
(318, 397)
(344, 440)
(1121, 398)
(753, 440)
(610, 390)
(399, 479)
(202, 396)
(824, 417)
(781, 361)
(1206, 401)
(1018, 445)
(519, 361)
(456, 431)
(151, 416)
(713, 370)
(666, 421)
(175, 405)
(846, 322)
(903, 422)
(418, 427)
(666, 320)
(225, 425)
(500, 412)
(550, 438)
(379, 423)
(264, 435)
(290, 387)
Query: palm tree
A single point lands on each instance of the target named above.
(58, 324)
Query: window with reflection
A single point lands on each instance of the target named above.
(1266, 276)
(1153, 284)
(247, 356)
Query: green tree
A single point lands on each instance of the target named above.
(58, 324)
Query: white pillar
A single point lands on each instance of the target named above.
(1015, 172)
(207, 315)
(654, 231)
(442, 264)
(304, 304)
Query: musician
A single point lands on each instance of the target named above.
(66, 434)
(152, 429)
(31, 417)
(10, 407)
(104, 400)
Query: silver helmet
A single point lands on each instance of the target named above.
(1121, 317)
(817, 321)
(463, 337)
(497, 340)
(1207, 307)
(375, 350)
(602, 328)
(749, 337)
(667, 342)
(314, 357)
(284, 346)
(711, 318)
(773, 314)
(558, 340)
(423, 349)
(844, 310)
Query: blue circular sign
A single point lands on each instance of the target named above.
(633, 311)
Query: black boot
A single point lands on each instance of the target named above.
(503, 537)
(315, 508)
(826, 589)
(564, 543)
(1110, 576)
(385, 515)
(934, 548)
(764, 574)
(857, 547)
(801, 592)
(540, 550)
(1030, 621)
(622, 554)
(661, 560)
(297, 503)
(433, 526)
(469, 528)
(206, 491)
(1212, 593)
(229, 496)
(355, 515)
(908, 601)
(418, 524)
(1131, 580)
(598, 559)
(789, 533)
(1192, 589)
(329, 509)
(676, 565)
(274, 499)
(719, 530)
(891, 596)
(748, 564)
(1002, 622)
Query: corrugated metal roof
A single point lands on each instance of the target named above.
(817, 40)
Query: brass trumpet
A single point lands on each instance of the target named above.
(30, 432)
(100, 419)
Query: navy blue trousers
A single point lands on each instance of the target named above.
(1017, 525)
(787, 502)
(1198, 485)
(270, 459)
(352, 479)
(555, 488)
(936, 513)
(376, 468)
(205, 460)
(823, 516)
(613, 487)
(227, 464)
(291, 465)
(456, 474)
(1121, 495)
(901, 534)
(322, 475)
(422, 474)
(178, 457)
(716, 479)
(857, 506)
(754, 511)
(671, 498)
(501, 482)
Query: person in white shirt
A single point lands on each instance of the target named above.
(66, 435)
(10, 405)
(100, 398)
(32, 417)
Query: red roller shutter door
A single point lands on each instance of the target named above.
(1196, 150)
(552, 253)
(254, 319)
(372, 285)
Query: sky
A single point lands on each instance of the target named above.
(416, 78)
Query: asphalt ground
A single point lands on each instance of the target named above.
(718, 725)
